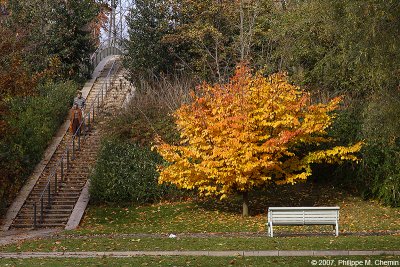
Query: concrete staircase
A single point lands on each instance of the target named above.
(68, 191)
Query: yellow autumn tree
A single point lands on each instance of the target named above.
(249, 133)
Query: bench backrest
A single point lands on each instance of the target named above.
(303, 215)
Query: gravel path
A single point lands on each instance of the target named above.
(221, 253)
(14, 236)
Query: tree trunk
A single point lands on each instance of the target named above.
(242, 45)
(245, 204)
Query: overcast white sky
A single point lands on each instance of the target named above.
(121, 11)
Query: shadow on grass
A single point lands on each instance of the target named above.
(307, 194)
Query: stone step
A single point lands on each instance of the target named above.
(55, 199)
(47, 211)
(59, 195)
(46, 217)
(30, 225)
(74, 178)
(34, 199)
(74, 190)
(67, 181)
(62, 206)
(46, 220)
(54, 206)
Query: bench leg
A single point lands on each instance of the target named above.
(337, 229)
(271, 233)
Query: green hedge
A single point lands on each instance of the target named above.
(375, 121)
(127, 172)
(32, 122)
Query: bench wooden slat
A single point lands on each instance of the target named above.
(320, 223)
(330, 215)
(302, 213)
(303, 216)
(303, 208)
(277, 222)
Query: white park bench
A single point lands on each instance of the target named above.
(303, 216)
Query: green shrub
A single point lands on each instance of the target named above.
(376, 122)
(127, 172)
(380, 170)
(32, 123)
(380, 173)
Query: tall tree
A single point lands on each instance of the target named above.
(70, 35)
(63, 30)
(249, 133)
(191, 37)
(203, 37)
(148, 21)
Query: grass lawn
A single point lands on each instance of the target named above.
(356, 215)
(197, 261)
(190, 217)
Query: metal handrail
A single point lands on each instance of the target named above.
(68, 154)
(114, 41)
(111, 46)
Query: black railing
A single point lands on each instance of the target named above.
(58, 172)
(112, 46)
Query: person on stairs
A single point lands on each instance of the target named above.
(80, 100)
(75, 119)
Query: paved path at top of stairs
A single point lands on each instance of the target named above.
(16, 235)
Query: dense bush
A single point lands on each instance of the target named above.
(127, 172)
(32, 121)
(126, 167)
(380, 173)
(375, 121)
(380, 170)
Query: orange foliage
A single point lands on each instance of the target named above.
(247, 133)
(15, 79)
(100, 22)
